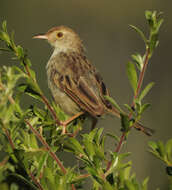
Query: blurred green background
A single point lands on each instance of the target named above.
(104, 28)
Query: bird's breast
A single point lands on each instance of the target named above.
(54, 73)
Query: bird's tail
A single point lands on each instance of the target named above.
(138, 126)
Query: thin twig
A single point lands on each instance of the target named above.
(116, 150)
(141, 77)
(9, 138)
(83, 176)
(27, 71)
(73, 187)
(139, 85)
(36, 181)
(3, 162)
(52, 154)
(44, 99)
(11, 100)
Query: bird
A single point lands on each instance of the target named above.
(76, 85)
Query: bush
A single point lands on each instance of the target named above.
(30, 138)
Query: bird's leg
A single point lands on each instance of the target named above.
(65, 123)
(94, 122)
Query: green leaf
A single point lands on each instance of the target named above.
(168, 148)
(138, 59)
(95, 175)
(154, 23)
(14, 186)
(97, 136)
(146, 90)
(127, 172)
(129, 108)
(20, 52)
(114, 103)
(114, 162)
(39, 113)
(28, 89)
(74, 145)
(4, 49)
(125, 123)
(49, 176)
(148, 15)
(145, 184)
(124, 155)
(153, 42)
(152, 145)
(144, 107)
(107, 186)
(159, 23)
(13, 45)
(42, 162)
(5, 37)
(99, 153)
(4, 26)
(132, 75)
(161, 149)
(89, 148)
(140, 33)
(24, 180)
(137, 105)
(129, 185)
(91, 135)
(113, 136)
(33, 142)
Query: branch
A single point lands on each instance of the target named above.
(139, 85)
(52, 154)
(11, 100)
(9, 138)
(141, 76)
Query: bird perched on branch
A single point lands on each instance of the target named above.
(76, 85)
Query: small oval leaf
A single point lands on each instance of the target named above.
(146, 90)
(132, 75)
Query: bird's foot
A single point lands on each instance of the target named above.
(68, 121)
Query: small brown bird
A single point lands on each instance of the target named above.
(76, 85)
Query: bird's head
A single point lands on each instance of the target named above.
(62, 38)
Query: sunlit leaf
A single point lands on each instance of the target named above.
(113, 136)
(138, 59)
(140, 33)
(132, 75)
(4, 26)
(28, 89)
(125, 123)
(144, 107)
(145, 184)
(146, 90)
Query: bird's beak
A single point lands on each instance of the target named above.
(42, 36)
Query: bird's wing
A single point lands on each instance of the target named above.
(82, 83)
(84, 95)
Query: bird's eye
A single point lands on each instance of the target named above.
(60, 34)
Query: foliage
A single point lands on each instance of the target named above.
(31, 139)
